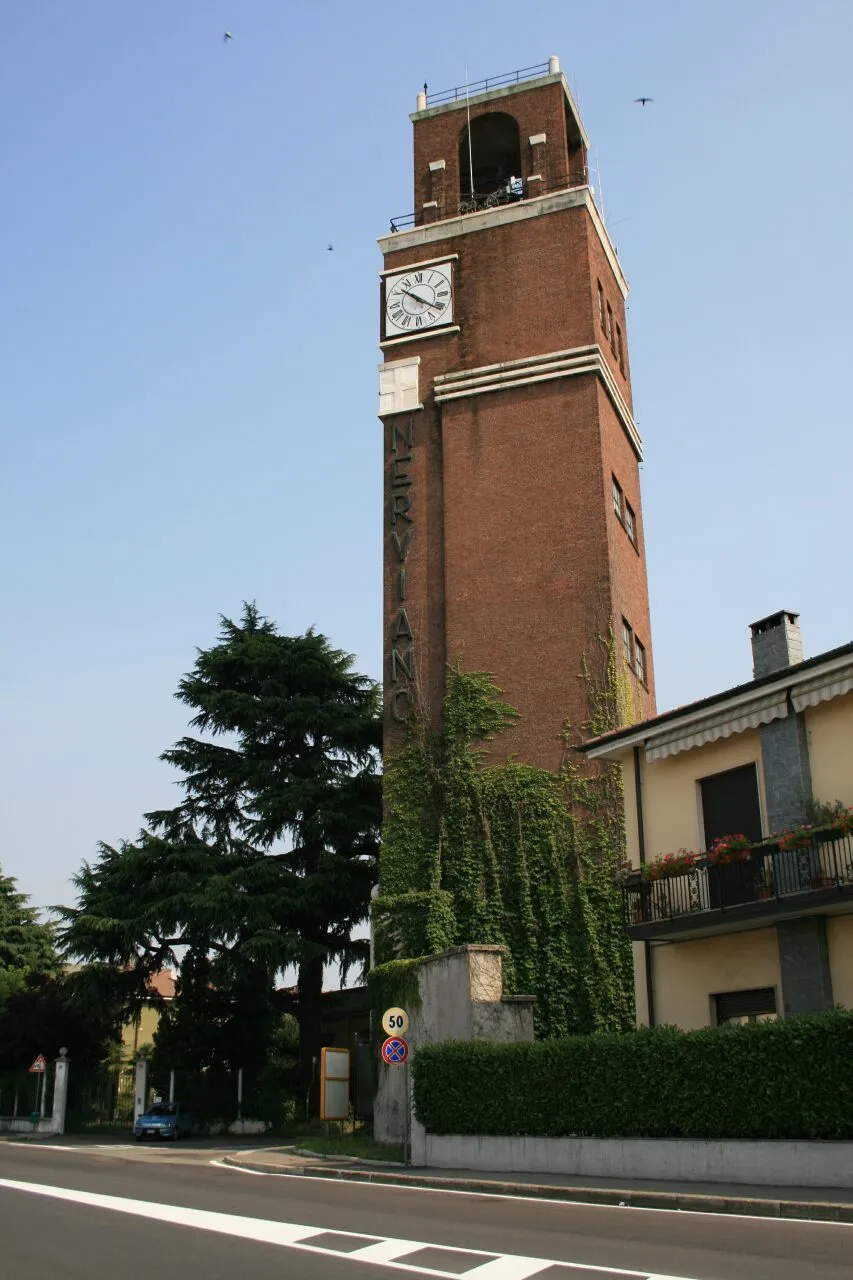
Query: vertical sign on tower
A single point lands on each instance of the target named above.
(402, 530)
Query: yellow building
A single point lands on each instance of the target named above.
(727, 933)
(139, 1031)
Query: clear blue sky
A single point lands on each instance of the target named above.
(188, 378)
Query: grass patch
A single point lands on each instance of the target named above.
(359, 1144)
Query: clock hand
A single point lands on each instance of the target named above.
(422, 301)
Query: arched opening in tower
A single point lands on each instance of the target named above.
(495, 149)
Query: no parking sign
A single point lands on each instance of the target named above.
(395, 1051)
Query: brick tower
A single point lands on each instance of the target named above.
(513, 528)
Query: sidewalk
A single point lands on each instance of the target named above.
(830, 1204)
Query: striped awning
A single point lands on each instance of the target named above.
(721, 723)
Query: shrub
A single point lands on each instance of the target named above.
(786, 1079)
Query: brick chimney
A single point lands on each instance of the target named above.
(776, 643)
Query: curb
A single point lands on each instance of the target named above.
(685, 1202)
(371, 1164)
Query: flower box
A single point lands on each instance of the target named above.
(671, 864)
(728, 849)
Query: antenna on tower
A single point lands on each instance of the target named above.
(470, 148)
(600, 187)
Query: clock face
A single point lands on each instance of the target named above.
(419, 300)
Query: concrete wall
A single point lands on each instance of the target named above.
(687, 974)
(839, 937)
(672, 808)
(780, 1164)
(830, 731)
(460, 998)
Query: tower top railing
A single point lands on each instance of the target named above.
(483, 86)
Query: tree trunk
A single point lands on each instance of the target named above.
(310, 985)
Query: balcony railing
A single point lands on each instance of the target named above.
(482, 86)
(511, 193)
(768, 880)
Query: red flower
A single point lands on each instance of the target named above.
(726, 849)
(671, 864)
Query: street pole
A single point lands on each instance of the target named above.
(407, 1146)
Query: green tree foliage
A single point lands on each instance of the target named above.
(40, 1008)
(755, 1081)
(49, 1012)
(26, 945)
(510, 854)
(269, 859)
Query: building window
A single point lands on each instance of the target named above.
(630, 523)
(608, 329)
(745, 1006)
(730, 804)
(617, 496)
(619, 351)
(628, 643)
(640, 661)
(601, 314)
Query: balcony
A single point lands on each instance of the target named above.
(770, 884)
(508, 193)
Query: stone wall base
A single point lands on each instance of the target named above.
(771, 1164)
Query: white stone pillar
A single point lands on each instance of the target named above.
(141, 1088)
(60, 1092)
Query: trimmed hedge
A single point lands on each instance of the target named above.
(787, 1079)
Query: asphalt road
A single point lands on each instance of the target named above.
(165, 1214)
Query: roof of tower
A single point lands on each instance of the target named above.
(497, 88)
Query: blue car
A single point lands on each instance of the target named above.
(164, 1120)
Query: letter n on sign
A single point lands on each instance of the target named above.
(334, 1084)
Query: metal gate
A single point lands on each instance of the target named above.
(101, 1100)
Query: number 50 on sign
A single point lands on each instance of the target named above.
(395, 1022)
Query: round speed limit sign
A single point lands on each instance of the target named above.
(395, 1022)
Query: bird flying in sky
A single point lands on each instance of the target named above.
(643, 101)
(329, 248)
(228, 36)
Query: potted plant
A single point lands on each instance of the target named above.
(669, 865)
(795, 838)
(625, 874)
(728, 849)
(843, 822)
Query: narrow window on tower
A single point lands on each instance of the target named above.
(628, 643)
(617, 496)
(601, 312)
(620, 354)
(611, 329)
(630, 523)
(640, 661)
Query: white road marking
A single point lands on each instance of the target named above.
(384, 1252)
(220, 1164)
(509, 1268)
(449, 1191)
(43, 1146)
